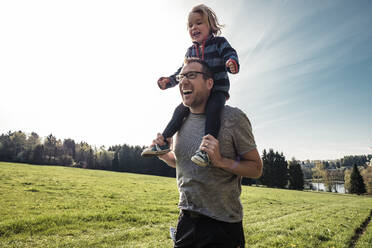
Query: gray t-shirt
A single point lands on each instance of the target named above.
(212, 191)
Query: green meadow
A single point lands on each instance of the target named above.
(51, 206)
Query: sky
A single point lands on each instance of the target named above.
(87, 70)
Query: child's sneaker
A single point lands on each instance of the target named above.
(201, 158)
(156, 150)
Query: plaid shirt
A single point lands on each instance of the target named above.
(215, 51)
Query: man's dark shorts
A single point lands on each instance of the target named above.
(199, 231)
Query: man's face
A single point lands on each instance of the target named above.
(195, 92)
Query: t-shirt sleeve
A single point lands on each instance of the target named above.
(242, 135)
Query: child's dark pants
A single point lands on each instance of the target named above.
(215, 104)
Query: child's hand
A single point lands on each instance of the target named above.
(231, 64)
(162, 82)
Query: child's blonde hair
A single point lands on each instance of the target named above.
(209, 16)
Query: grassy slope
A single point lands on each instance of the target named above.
(366, 240)
(45, 206)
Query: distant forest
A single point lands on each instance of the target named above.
(23, 148)
(31, 148)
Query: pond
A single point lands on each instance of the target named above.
(338, 188)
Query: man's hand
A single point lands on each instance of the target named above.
(249, 165)
(211, 146)
(162, 82)
(231, 64)
(168, 157)
(159, 140)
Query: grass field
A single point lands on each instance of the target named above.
(366, 239)
(46, 206)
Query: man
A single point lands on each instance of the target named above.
(211, 212)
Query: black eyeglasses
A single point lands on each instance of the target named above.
(188, 75)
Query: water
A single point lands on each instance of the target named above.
(338, 188)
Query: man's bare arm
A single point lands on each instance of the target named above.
(169, 159)
(249, 165)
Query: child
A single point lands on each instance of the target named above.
(203, 28)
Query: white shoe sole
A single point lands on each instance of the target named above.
(198, 161)
(151, 153)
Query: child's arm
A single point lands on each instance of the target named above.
(168, 82)
(229, 56)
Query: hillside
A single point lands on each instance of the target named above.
(49, 206)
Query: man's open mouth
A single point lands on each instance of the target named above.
(187, 92)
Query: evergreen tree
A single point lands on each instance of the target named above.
(115, 162)
(296, 176)
(266, 177)
(82, 153)
(124, 158)
(367, 176)
(38, 155)
(326, 165)
(69, 147)
(275, 172)
(50, 148)
(357, 185)
(91, 160)
(280, 171)
(5, 148)
(18, 146)
(104, 159)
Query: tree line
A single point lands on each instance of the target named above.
(19, 147)
(350, 161)
(277, 171)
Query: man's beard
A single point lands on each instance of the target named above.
(198, 101)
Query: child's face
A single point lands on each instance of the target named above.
(199, 29)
